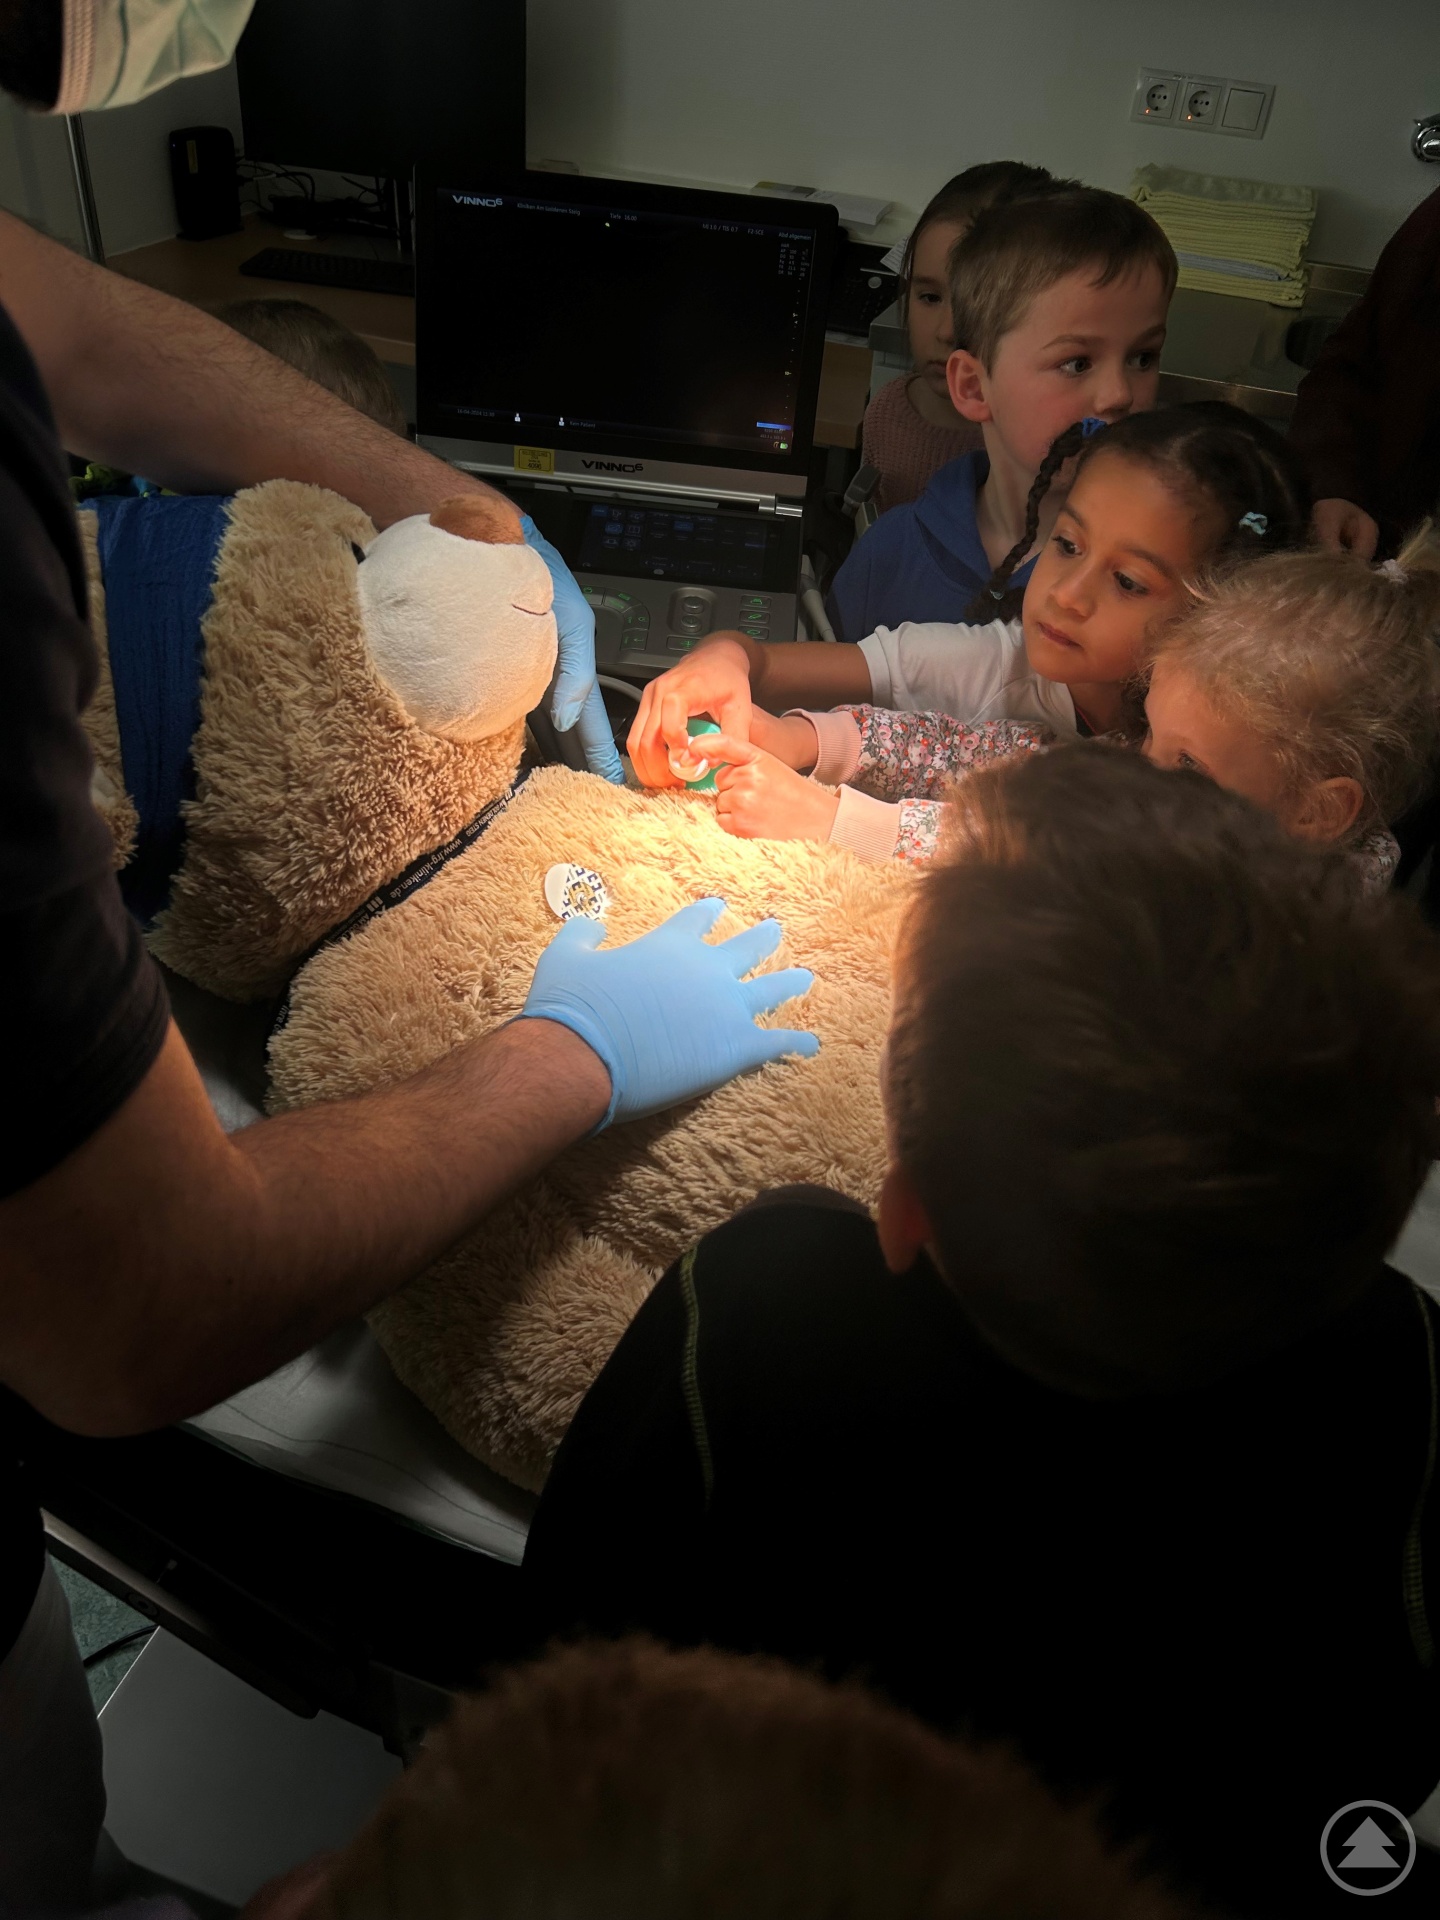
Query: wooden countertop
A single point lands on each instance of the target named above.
(207, 273)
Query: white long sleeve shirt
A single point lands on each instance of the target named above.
(974, 674)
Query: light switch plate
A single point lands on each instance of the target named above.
(1245, 110)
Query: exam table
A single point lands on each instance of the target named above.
(319, 1534)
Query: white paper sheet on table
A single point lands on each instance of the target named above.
(337, 1417)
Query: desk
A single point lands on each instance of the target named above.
(207, 273)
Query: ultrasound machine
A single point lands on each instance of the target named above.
(638, 365)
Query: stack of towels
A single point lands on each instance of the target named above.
(1241, 237)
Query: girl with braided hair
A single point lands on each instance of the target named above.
(1156, 501)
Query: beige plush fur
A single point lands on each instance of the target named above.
(503, 1336)
(313, 786)
(107, 782)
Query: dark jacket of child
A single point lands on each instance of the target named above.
(1210, 1605)
(1367, 417)
(920, 561)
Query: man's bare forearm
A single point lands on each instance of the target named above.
(150, 384)
(192, 1264)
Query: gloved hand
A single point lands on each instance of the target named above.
(577, 700)
(670, 1015)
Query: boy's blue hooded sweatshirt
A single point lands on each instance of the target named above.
(920, 561)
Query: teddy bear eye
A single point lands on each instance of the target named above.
(359, 552)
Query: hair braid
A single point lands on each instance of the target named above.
(992, 602)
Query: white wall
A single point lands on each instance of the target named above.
(890, 97)
(886, 97)
(129, 163)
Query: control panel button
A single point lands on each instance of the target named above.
(677, 645)
(754, 602)
(629, 639)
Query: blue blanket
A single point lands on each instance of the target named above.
(157, 560)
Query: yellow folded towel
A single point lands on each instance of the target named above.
(1245, 237)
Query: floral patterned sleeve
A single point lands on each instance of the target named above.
(918, 831)
(916, 756)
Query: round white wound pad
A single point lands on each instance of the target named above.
(576, 893)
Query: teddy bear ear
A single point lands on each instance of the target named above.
(480, 516)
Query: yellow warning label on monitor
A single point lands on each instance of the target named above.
(534, 460)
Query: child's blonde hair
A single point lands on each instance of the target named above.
(324, 349)
(1333, 663)
(624, 1782)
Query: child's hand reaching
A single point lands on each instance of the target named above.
(714, 680)
(757, 797)
(790, 737)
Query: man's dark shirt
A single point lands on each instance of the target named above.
(1367, 416)
(85, 1010)
(1195, 1602)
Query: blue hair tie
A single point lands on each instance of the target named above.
(1091, 425)
(1256, 523)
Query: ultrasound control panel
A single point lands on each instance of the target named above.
(661, 578)
(648, 627)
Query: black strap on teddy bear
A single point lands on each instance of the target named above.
(418, 874)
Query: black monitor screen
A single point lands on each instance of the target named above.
(578, 321)
(372, 87)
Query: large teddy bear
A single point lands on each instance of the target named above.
(361, 703)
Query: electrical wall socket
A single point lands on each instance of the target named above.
(1157, 95)
(1201, 103)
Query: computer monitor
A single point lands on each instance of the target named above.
(607, 329)
(375, 86)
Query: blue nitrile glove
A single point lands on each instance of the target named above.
(577, 700)
(670, 1015)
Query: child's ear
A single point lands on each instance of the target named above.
(901, 1220)
(966, 380)
(1327, 811)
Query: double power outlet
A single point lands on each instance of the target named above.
(1202, 103)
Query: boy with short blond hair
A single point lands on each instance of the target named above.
(1059, 306)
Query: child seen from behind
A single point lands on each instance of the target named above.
(324, 350)
(1118, 1360)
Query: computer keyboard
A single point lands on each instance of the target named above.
(331, 270)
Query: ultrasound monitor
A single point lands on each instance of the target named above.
(603, 329)
(373, 87)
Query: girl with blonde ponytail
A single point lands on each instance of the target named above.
(1310, 683)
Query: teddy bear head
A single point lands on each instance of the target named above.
(361, 699)
(457, 620)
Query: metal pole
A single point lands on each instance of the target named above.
(84, 191)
